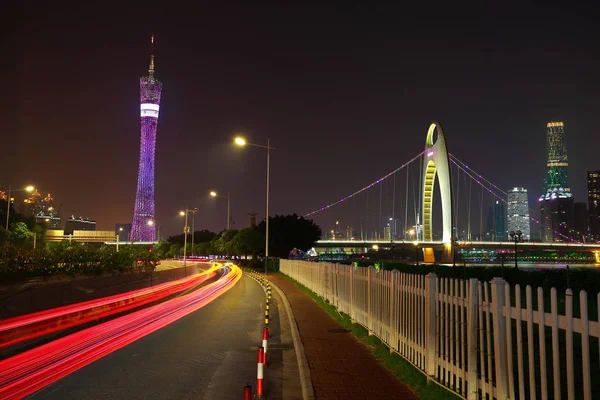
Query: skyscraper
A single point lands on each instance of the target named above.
(556, 205)
(496, 222)
(557, 161)
(517, 212)
(143, 228)
(594, 203)
(556, 209)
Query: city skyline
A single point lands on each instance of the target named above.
(316, 103)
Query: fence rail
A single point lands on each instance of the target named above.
(478, 339)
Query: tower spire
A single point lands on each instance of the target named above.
(151, 67)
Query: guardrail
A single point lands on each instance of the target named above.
(477, 339)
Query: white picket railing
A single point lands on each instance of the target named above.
(466, 335)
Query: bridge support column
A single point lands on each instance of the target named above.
(447, 254)
(428, 255)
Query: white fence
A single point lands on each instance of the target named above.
(477, 339)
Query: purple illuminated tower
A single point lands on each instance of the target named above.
(143, 228)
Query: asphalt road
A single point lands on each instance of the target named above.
(209, 354)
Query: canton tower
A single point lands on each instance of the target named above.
(143, 228)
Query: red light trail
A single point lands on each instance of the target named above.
(26, 327)
(30, 371)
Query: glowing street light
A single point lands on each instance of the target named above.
(240, 141)
(150, 222)
(186, 230)
(8, 199)
(215, 194)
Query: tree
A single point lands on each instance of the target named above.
(162, 248)
(199, 236)
(224, 245)
(249, 241)
(290, 231)
(3, 235)
(201, 249)
(19, 233)
(174, 250)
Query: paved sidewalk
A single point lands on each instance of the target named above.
(340, 366)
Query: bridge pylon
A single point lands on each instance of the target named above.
(436, 164)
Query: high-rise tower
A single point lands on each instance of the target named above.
(143, 228)
(517, 212)
(557, 162)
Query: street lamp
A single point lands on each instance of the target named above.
(242, 142)
(416, 243)
(215, 194)
(186, 229)
(516, 237)
(26, 189)
(454, 244)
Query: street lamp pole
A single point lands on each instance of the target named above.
(185, 232)
(8, 206)
(515, 236)
(27, 189)
(228, 211)
(454, 243)
(267, 217)
(215, 194)
(193, 230)
(242, 142)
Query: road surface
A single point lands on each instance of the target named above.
(209, 354)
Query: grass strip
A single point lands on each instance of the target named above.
(402, 369)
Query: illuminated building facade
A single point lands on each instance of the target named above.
(79, 224)
(557, 161)
(496, 222)
(517, 212)
(594, 203)
(580, 222)
(556, 210)
(45, 211)
(556, 205)
(143, 228)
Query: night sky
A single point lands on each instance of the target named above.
(346, 94)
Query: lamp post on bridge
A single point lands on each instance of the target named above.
(515, 237)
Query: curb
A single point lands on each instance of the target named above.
(308, 392)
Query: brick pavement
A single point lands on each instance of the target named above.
(341, 367)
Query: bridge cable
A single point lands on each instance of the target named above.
(380, 203)
(457, 198)
(481, 214)
(406, 207)
(468, 206)
(393, 209)
(364, 188)
(420, 203)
